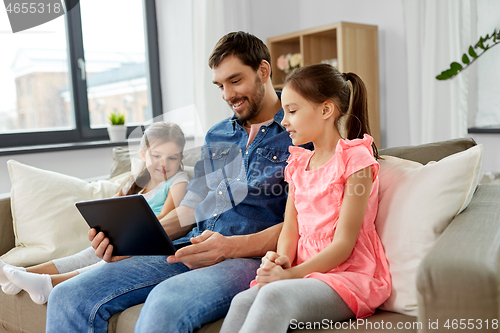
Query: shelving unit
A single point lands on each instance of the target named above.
(355, 46)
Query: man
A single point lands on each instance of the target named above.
(236, 199)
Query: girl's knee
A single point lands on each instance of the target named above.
(243, 300)
(274, 292)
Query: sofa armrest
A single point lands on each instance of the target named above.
(459, 277)
(7, 240)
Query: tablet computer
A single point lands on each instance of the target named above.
(130, 225)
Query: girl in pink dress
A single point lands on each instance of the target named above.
(330, 264)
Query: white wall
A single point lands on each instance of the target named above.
(491, 151)
(81, 163)
(276, 17)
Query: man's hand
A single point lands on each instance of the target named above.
(102, 248)
(207, 249)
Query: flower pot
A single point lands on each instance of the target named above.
(117, 133)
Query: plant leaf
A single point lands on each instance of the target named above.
(455, 67)
(480, 43)
(472, 53)
(465, 59)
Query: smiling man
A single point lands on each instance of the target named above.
(235, 202)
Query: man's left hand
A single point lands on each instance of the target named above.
(207, 249)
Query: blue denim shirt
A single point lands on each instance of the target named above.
(238, 190)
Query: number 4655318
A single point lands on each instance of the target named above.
(33, 7)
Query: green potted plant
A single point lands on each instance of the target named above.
(117, 129)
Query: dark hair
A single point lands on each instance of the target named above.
(162, 132)
(322, 82)
(248, 48)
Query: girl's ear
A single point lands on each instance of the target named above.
(143, 155)
(264, 71)
(329, 110)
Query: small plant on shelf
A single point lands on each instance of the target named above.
(117, 130)
(116, 118)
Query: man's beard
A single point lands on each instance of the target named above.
(254, 102)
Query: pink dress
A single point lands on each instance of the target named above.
(363, 280)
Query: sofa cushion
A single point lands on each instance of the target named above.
(416, 204)
(46, 223)
(434, 151)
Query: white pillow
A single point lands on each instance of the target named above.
(416, 204)
(47, 224)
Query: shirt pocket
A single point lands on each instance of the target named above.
(268, 169)
(214, 159)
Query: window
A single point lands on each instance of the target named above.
(66, 76)
(487, 99)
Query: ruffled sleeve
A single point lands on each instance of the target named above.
(357, 154)
(293, 163)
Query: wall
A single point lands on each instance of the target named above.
(276, 17)
(81, 163)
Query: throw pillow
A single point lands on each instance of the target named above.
(47, 224)
(416, 204)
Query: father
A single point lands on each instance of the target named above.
(245, 153)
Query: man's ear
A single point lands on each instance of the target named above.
(264, 71)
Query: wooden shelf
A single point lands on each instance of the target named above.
(355, 46)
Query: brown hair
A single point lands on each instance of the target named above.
(248, 48)
(162, 132)
(322, 82)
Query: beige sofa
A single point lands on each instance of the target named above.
(458, 279)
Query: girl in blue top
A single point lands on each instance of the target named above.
(161, 181)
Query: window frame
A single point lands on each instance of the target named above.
(83, 133)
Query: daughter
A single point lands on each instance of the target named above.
(161, 181)
(330, 263)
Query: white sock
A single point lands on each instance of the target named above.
(38, 286)
(7, 286)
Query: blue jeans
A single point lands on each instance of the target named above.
(177, 299)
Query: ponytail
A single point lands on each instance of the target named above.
(357, 123)
(322, 82)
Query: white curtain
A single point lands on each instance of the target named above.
(438, 32)
(188, 30)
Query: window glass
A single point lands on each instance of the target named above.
(34, 91)
(115, 60)
(488, 69)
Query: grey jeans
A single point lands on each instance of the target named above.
(284, 303)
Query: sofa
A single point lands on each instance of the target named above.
(457, 283)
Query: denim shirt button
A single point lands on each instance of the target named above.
(215, 214)
(274, 157)
(246, 153)
(220, 192)
(241, 150)
(263, 130)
